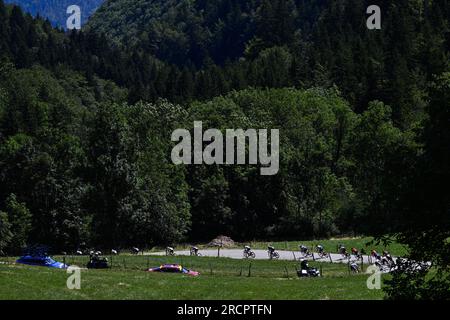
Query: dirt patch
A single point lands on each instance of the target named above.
(222, 241)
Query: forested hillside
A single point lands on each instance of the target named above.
(56, 10)
(232, 44)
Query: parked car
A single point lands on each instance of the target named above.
(96, 261)
(174, 268)
(42, 261)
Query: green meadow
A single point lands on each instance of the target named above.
(220, 279)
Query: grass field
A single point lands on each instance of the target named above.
(220, 279)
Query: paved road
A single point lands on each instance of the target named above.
(262, 255)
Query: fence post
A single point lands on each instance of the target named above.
(287, 272)
(210, 268)
(250, 270)
(221, 245)
(295, 258)
(331, 260)
(314, 259)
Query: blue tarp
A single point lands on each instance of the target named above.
(43, 261)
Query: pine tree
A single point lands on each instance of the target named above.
(4, 48)
(5, 233)
(18, 32)
(19, 218)
(186, 85)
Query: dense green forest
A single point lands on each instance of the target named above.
(233, 44)
(86, 120)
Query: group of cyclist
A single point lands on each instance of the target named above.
(194, 251)
(354, 252)
(380, 260)
(250, 254)
(383, 260)
(305, 252)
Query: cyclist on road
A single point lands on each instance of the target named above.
(320, 249)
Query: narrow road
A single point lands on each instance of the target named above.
(262, 255)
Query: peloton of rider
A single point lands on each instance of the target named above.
(354, 267)
(303, 249)
(375, 254)
(387, 256)
(342, 249)
(320, 249)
